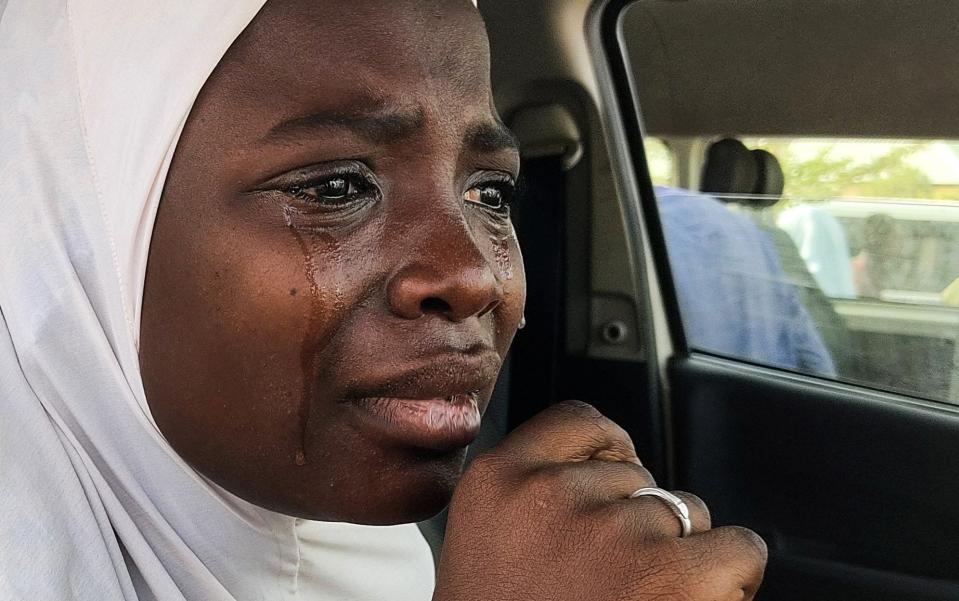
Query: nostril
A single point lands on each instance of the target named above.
(433, 304)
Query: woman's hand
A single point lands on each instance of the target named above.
(547, 515)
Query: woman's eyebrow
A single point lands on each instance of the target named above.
(491, 137)
(386, 126)
(381, 126)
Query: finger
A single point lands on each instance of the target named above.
(597, 481)
(569, 431)
(655, 517)
(734, 559)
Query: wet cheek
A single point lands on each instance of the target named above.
(312, 251)
(516, 284)
(508, 259)
(334, 272)
(502, 256)
(276, 304)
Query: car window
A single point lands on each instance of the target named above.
(895, 199)
(826, 254)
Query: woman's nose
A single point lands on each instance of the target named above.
(456, 284)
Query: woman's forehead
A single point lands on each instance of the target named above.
(309, 42)
(301, 64)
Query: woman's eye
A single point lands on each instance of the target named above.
(334, 188)
(338, 189)
(489, 195)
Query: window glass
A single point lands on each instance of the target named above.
(897, 202)
(832, 255)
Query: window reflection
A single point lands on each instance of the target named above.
(858, 238)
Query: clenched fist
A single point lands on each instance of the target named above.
(547, 515)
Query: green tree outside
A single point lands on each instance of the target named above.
(831, 174)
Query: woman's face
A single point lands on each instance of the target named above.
(333, 280)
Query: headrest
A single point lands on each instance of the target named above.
(729, 169)
(769, 176)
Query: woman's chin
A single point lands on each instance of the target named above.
(411, 488)
(414, 491)
(414, 508)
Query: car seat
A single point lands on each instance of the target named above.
(729, 170)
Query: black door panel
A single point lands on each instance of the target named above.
(790, 577)
(855, 492)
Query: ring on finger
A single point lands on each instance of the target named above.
(677, 505)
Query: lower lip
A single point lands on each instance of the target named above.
(435, 424)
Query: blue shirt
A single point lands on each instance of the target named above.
(734, 297)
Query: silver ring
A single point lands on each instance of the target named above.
(678, 506)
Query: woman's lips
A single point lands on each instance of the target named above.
(435, 424)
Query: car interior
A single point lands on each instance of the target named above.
(849, 476)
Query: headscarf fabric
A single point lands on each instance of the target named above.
(95, 504)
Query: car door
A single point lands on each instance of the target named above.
(852, 481)
(847, 472)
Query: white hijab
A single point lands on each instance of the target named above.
(94, 504)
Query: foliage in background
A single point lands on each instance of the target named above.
(819, 170)
(830, 174)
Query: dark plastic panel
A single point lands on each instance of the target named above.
(856, 493)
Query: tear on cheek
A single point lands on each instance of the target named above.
(501, 254)
(308, 248)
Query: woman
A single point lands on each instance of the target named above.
(332, 284)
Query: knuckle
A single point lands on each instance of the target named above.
(594, 426)
(692, 500)
(549, 490)
(575, 409)
(751, 546)
(585, 414)
(644, 477)
(606, 429)
(590, 429)
(751, 541)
